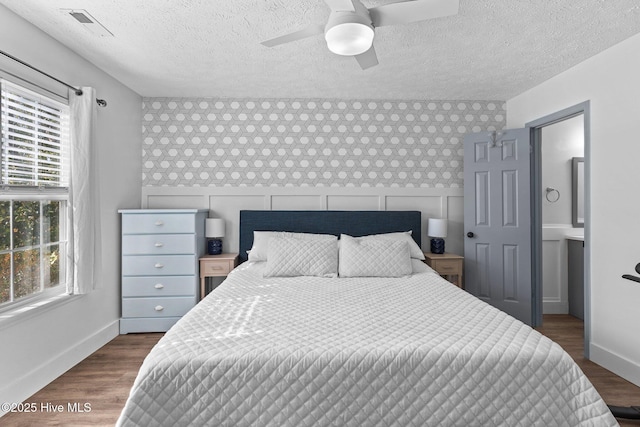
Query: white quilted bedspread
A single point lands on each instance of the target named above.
(309, 351)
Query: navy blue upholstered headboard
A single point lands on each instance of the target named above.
(354, 223)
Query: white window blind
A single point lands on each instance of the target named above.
(34, 134)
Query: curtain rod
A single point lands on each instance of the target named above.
(77, 91)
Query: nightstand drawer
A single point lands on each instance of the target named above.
(156, 307)
(158, 265)
(151, 223)
(446, 266)
(158, 244)
(157, 286)
(216, 268)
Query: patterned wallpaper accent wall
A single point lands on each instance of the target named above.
(310, 142)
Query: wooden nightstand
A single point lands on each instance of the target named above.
(215, 266)
(449, 266)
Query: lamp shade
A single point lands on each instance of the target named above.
(437, 227)
(214, 227)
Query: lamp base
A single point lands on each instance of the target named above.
(437, 245)
(214, 247)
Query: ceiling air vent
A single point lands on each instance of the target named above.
(88, 22)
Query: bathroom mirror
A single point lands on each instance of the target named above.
(577, 210)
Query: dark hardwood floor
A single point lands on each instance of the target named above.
(104, 379)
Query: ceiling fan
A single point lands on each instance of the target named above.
(350, 28)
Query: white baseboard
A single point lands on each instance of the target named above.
(555, 307)
(620, 366)
(36, 379)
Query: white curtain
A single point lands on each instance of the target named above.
(84, 253)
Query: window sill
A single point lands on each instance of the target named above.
(34, 308)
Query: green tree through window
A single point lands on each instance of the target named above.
(29, 260)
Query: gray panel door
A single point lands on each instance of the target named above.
(497, 220)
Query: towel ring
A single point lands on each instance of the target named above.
(550, 197)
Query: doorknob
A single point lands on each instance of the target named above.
(470, 234)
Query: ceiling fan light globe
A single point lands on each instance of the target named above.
(349, 39)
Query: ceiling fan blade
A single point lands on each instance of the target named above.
(340, 5)
(412, 11)
(311, 30)
(367, 59)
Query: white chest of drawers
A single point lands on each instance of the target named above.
(160, 252)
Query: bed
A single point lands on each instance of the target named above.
(267, 348)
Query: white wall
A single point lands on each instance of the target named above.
(38, 348)
(560, 143)
(610, 82)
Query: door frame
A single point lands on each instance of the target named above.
(536, 126)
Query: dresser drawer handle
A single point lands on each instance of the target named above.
(158, 265)
(159, 286)
(159, 245)
(159, 223)
(159, 308)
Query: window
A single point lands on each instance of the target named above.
(34, 180)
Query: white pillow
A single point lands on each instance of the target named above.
(403, 236)
(290, 256)
(373, 257)
(261, 239)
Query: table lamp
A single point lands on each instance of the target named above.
(437, 231)
(214, 230)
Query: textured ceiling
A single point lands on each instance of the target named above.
(493, 49)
